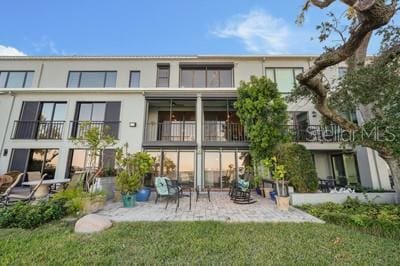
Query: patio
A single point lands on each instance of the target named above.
(221, 208)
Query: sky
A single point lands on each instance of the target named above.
(160, 27)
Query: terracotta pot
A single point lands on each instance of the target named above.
(282, 203)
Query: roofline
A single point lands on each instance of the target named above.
(121, 57)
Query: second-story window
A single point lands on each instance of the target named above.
(163, 75)
(198, 76)
(285, 78)
(16, 79)
(134, 81)
(92, 79)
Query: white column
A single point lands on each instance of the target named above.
(199, 156)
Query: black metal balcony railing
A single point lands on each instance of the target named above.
(36, 129)
(79, 128)
(317, 133)
(221, 131)
(171, 131)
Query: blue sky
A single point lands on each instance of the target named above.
(128, 27)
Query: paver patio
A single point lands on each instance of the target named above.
(221, 208)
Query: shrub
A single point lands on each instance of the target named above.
(299, 166)
(377, 219)
(26, 215)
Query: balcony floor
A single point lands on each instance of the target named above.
(221, 208)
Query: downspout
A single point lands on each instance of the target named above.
(8, 122)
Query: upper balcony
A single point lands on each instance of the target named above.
(37, 129)
(79, 128)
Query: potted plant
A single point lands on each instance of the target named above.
(105, 181)
(281, 194)
(130, 179)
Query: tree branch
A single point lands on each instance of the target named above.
(373, 14)
(322, 3)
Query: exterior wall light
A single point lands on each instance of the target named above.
(132, 124)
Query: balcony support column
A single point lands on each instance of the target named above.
(199, 152)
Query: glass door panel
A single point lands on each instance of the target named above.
(350, 166)
(212, 169)
(339, 170)
(186, 168)
(228, 168)
(170, 162)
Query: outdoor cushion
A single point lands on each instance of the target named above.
(243, 184)
(161, 186)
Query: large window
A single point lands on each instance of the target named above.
(285, 78)
(35, 160)
(41, 120)
(134, 81)
(92, 79)
(16, 79)
(80, 160)
(163, 75)
(175, 164)
(206, 76)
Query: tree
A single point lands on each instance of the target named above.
(95, 140)
(365, 17)
(263, 112)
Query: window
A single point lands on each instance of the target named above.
(40, 120)
(79, 160)
(92, 79)
(16, 79)
(163, 76)
(206, 76)
(342, 71)
(134, 79)
(285, 78)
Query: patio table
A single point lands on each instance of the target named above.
(43, 189)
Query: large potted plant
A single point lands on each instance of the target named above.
(278, 173)
(130, 178)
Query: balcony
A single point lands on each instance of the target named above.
(219, 132)
(171, 132)
(318, 133)
(79, 128)
(36, 129)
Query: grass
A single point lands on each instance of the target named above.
(197, 243)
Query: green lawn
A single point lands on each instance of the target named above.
(197, 242)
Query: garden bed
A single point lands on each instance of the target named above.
(298, 199)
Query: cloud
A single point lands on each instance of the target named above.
(260, 32)
(10, 51)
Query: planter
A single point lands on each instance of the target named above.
(272, 195)
(129, 200)
(282, 203)
(105, 184)
(93, 204)
(143, 194)
(258, 191)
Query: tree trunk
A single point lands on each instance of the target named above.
(394, 165)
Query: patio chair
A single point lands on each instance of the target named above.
(167, 188)
(241, 193)
(13, 197)
(5, 195)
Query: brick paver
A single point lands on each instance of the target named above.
(221, 208)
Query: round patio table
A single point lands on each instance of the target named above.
(43, 189)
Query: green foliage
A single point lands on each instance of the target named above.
(73, 199)
(299, 166)
(132, 169)
(197, 243)
(378, 219)
(27, 215)
(263, 112)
